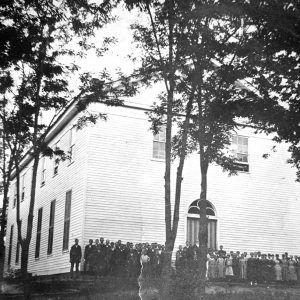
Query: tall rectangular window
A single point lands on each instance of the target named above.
(240, 150)
(43, 174)
(10, 244)
(18, 247)
(159, 144)
(23, 188)
(56, 159)
(67, 220)
(72, 133)
(51, 227)
(38, 233)
(15, 194)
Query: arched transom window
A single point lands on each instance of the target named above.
(193, 223)
(195, 208)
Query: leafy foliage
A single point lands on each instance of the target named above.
(39, 40)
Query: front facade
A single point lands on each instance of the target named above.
(113, 187)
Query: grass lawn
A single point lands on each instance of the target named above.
(114, 288)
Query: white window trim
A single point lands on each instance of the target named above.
(23, 187)
(71, 146)
(56, 163)
(248, 155)
(43, 173)
(197, 216)
(163, 140)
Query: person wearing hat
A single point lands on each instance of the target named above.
(88, 252)
(75, 257)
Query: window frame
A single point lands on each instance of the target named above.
(159, 139)
(11, 235)
(72, 137)
(211, 218)
(241, 166)
(56, 159)
(43, 173)
(15, 195)
(18, 248)
(67, 220)
(23, 186)
(51, 227)
(38, 233)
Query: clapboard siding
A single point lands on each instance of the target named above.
(123, 181)
(255, 210)
(118, 193)
(70, 177)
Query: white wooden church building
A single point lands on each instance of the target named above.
(113, 187)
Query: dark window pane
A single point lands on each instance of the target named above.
(193, 210)
(50, 241)
(51, 228)
(38, 233)
(17, 252)
(210, 211)
(10, 244)
(37, 245)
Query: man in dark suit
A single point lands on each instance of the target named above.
(88, 252)
(75, 257)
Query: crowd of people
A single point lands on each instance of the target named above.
(102, 258)
(255, 268)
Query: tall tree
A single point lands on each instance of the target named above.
(207, 52)
(51, 32)
(160, 61)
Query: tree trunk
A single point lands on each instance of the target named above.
(203, 238)
(6, 174)
(25, 242)
(24, 267)
(3, 229)
(166, 275)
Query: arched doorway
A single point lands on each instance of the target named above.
(193, 223)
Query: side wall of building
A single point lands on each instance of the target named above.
(255, 210)
(124, 186)
(70, 177)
